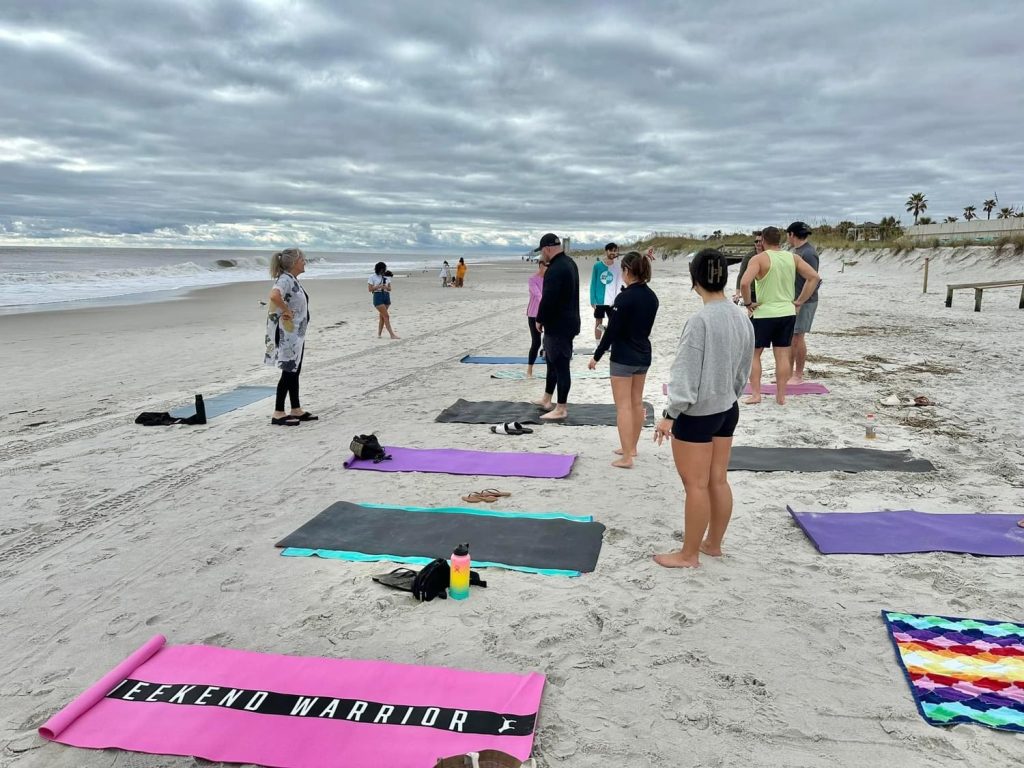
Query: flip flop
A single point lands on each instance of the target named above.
(522, 430)
(493, 492)
(476, 498)
(510, 428)
(287, 421)
(400, 578)
(306, 416)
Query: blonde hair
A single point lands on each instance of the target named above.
(284, 261)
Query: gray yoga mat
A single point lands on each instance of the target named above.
(226, 402)
(500, 411)
(745, 458)
(530, 542)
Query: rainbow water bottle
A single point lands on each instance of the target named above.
(458, 579)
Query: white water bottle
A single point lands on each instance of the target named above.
(869, 427)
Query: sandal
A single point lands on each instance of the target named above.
(494, 492)
(476, 498)
(285, 421)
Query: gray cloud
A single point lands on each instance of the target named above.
(412, 125)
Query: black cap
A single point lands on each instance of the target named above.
(548, 239)
(462, 550)
(799, 229)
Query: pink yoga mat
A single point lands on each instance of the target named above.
(807, 388)
(298, 712)
(453, 461)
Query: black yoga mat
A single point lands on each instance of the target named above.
(548, 543)
(745, 458)
(500, 411)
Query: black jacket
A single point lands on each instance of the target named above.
(559, 310)
(629, 327)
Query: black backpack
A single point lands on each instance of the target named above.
(368, 447)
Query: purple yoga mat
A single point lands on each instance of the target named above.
(903, 531)
(452, 461)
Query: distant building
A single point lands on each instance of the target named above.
(977, 231)
(866, 231)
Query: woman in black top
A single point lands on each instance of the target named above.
(629, 336)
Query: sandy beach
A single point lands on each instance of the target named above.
(773, 655)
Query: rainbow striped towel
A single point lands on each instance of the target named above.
(962, 670)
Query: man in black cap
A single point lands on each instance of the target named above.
(558, 317)
(797, 234)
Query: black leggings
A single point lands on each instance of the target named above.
(558, 355)
(288, 384)
(534, 340)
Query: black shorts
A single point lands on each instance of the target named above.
(773, 331)
(601, 311)
(700, 429)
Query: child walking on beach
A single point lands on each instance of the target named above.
(707, 379)
(536, 286)
(630, 321)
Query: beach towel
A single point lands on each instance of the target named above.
(497, 411)
(962, 670)
(453, 461)
(237, 706)
(746, 458)
(805, 388)
(226, 402)
(584, 374)
(552, 544)
(902, 531)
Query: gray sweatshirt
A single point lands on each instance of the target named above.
(713, 362)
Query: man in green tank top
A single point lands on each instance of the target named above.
(774, 313)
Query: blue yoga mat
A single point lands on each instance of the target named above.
(473, 360)
(226, 402)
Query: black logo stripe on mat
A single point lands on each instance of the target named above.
(326, 707)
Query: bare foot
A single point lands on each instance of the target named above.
(618, 452)
(557, 413)
(395, 336)
(780, 400)
(676, 560)
(752, 400)
(623, 463)
(795, 380)
(547, 406)
(529, 373)
(707, 549)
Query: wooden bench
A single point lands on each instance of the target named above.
(980, 287)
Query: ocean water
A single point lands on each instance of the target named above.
(34, 279)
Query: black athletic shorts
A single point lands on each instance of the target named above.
(700, 429)
(773, 331)
(601, 311)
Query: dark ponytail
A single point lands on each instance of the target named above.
(710, 270)
(638, 266)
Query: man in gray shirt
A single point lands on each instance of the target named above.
(797, 234)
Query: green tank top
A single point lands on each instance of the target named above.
(777, 290)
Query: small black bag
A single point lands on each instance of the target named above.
(368, 447)
(432, 581)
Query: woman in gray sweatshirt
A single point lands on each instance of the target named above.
(707, 379)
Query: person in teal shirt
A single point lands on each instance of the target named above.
(605, 285)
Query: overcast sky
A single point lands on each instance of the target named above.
(474, 124)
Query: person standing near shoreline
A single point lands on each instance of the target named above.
(536, 287)
(629, 337)
(707, 379)
(605, 284)
(285, 339)
(446, 275)
(460, 273)
(379, 285)
(797, 234)
(774, 312)
(558, 318)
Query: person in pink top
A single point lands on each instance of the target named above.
(536, 283)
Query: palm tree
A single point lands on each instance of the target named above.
(950, 219)
(917, 204)
(927, 220)
(988, 206)
(969, 212)
(1005, 213)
